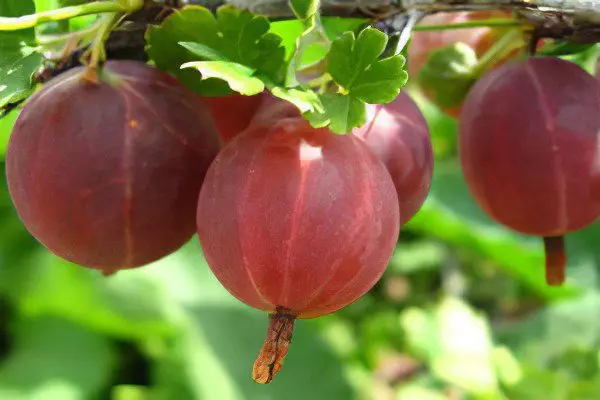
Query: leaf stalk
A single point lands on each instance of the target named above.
(65, 13)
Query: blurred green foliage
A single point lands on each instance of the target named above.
(462, 312)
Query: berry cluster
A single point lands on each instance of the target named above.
(120, 167)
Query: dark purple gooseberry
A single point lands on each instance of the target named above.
(105, 169)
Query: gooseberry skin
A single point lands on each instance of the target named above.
(233, 113)
(398, 134)
(528, 146)
(296, 218)
(107, 174)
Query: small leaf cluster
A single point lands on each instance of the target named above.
(237, 51)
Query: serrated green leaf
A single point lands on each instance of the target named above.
(381, 82)
(341, 113)
(353, 55)
(233, 35)
(354, 65)
(18, 60)
(203, 51)
(239, 77)
(290, 30)
(305, 9)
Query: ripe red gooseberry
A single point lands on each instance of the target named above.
(528, 145)
(297, 222)
(105, 169)
(233, 113)
(397, 133)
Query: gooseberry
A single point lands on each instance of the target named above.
(398, 134)
(105, 168)
(297, 222)
(232, 113)
(528, 145)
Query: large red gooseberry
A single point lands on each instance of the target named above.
(233, 113)
(272, 109)
(398, 134)
(528, 146)
(298, 222)
(105, 170)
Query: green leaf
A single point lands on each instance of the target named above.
(341, 113)
(304, 100)
(239, 77)
(305, 9)
(53, 359)
(290, 30)
(449, 74)
(563, 48)
(18, 60)
(233, 35)
(203, 51)
(354, 64)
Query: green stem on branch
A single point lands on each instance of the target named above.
(98, 7)
(81, 36)
(96, 52)
(510, 41)
(490, 23)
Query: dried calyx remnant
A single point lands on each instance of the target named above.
(279, 336)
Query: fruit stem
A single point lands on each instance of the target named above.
(82, 35)
(279, 336)
(96, 52)
(511, 40)
(60, 14)
(490, 23)
(554, 247)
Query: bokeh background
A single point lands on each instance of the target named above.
(463, 312)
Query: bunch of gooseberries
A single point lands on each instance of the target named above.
(116, 167)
